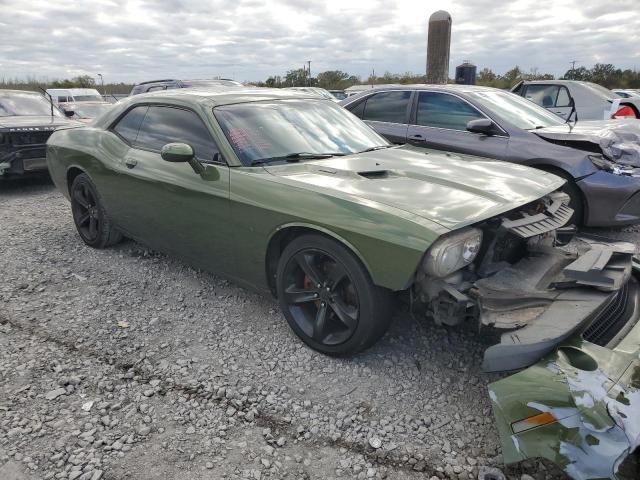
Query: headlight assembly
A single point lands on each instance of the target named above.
(452, 252)
(611, 167)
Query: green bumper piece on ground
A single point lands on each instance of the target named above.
(591, 398)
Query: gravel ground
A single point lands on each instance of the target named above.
(124, 363)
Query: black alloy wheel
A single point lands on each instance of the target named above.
(89, 216)
(321, 297)
(328, 297)
(85, 212)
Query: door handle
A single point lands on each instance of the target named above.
(130, 162)
(416, 138)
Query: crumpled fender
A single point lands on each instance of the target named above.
(619, 140)
(593, 396)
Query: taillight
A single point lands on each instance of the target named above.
(624, 112)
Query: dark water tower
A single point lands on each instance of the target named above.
(438, 42)
(466, 73)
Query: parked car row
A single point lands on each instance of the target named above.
(288, 193)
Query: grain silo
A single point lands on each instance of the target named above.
(438, 43)
(466, 73)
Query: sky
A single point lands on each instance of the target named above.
(248, 40)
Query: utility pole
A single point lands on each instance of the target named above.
(309, 72)
(102, 82)
(573, 68)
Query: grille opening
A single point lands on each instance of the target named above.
(612, 319)
(29, 138)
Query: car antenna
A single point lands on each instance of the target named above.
(50, 99)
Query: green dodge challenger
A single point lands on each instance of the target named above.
(291, 194)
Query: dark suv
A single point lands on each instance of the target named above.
(155, 85)
(27, 119)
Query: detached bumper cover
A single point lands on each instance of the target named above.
(545, 299)
(593, 393)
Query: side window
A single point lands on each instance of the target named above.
(156, 88)
(128, 126)
(543, 95)
(442, 110)
(358, 110)
(387, 107)
(163, 125)
(563, 98)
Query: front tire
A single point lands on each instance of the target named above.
(91, 219)
(328, 298)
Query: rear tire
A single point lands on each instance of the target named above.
(91, 219)
(328, 298)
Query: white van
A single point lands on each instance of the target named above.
(68, 95)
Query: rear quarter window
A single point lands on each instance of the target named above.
(127, 127)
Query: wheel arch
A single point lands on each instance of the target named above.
(72, 172)
(284, 234)
(562, 173)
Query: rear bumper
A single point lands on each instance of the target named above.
(612, 200)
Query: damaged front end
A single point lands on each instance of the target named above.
(567, 307)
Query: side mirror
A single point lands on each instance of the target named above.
(69, 113)
(177, 152)
(481, 125)
(181, 153)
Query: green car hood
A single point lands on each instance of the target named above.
(440, 187)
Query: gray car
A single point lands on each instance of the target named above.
(597, 159)
(592, 101)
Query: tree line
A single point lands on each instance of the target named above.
(81, 81)
(606, 75)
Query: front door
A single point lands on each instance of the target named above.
(440, 122)
(168, 206)
(555, 98)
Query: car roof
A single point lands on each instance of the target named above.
(561, 82)
(72, 90)
(453, 87)
(5, 91)
(218, 97)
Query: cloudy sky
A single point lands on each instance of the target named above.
(137, 40)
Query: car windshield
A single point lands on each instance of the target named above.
(517, 110)
(339, 95)
(87, 98)
(91, 111)
(25, 104)
(260, 131)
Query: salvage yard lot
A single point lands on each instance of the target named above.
(123, 363)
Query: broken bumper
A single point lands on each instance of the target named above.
(559, 295)
(24, 160)
(578, 407)
(622, 194)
